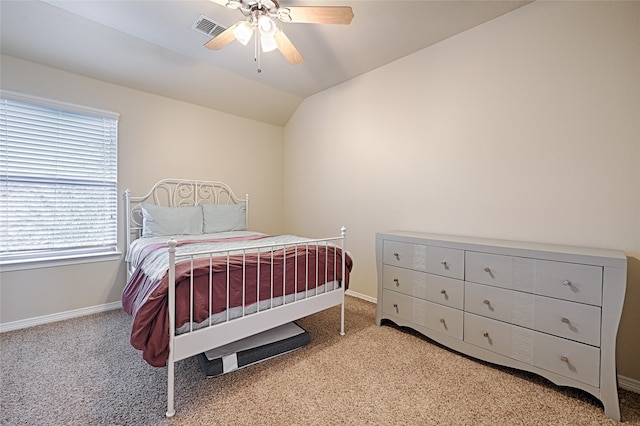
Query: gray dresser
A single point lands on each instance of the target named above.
(552, 310)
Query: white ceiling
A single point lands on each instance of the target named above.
(150, 45)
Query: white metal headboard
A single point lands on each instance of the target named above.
(177, 193)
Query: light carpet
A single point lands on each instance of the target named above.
(84, 372)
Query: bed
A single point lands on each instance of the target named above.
(199, 279)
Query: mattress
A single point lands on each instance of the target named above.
(253, 349)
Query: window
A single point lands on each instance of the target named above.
(58, 180)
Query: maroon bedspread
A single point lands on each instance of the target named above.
(147, 299)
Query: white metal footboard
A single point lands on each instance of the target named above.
(244, 321)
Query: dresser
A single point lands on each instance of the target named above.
(548, 309)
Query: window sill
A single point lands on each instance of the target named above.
(25, 264)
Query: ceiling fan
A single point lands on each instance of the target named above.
(260, 17)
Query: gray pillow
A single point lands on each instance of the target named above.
(166, 221)
(224, 217)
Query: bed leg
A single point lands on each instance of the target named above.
(172, 322)
(342, 318)
(343, 232)
(170, 410)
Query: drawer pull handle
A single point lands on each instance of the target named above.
(566, 282)
(397, 255)
(486, 302)
(489, 271)
(444, 263)
(485, 334)
(395, 305)
(395, 280)
(564, 359)
(444, 324)
(565, 320)
(443, 291)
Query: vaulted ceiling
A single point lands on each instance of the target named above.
(151, 46)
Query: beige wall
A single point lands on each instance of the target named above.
(525, 128)
(158, 138)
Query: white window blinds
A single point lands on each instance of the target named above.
(58, 179)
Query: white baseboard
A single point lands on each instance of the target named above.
(629, 384)
(361, 296)
(45, 319)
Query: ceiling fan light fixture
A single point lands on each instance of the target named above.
(267, 29)
(268, 44)
(243, 32)
(267, 26)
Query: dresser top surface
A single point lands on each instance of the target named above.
(589, 255)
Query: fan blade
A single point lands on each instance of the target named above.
(222, 39)
(287, 48)
(316, 14)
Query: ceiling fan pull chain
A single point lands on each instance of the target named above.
(257, 53)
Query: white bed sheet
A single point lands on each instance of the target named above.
(137, 246)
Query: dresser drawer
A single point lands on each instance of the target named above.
(488, 334)
(421, 312)
(397, 305)
(402, 280)
(401, 254)
(491, 269)
(575, 321)
(443, 290)
(446, 262)
(436, 260)
(569, 281)
(438, 318)
(500, 337)
(570, 359)
(499, 303)
(491, 302)
(561, 280)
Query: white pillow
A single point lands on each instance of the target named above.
(160, 221)
(224, 217)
